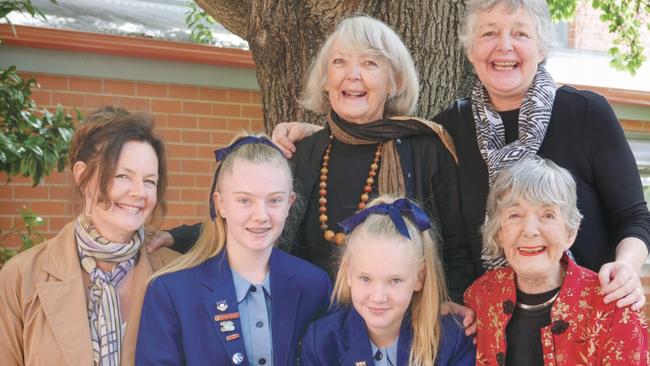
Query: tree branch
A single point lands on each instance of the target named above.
(234, 15)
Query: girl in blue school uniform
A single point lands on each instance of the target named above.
(235, 299)
(388, 291)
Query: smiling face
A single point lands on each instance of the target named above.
(358, 84)
(254, 199)
(505, 53)
(131, 194)
(382, 277)
(534, 237)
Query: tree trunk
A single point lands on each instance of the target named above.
(284, 36)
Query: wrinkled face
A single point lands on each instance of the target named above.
(132, 193)
(533, 238)
(358, 84)
(254, 199)
(382, 277)
(505, 54)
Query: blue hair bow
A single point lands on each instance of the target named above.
(221, 154)
(395, 210)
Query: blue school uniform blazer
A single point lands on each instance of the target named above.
(341, 338)
(183, 314)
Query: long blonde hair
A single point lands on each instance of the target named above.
(425, 304)
(212, 239)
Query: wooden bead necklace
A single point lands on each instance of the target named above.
(328, 234)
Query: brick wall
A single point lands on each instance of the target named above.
(192, 120)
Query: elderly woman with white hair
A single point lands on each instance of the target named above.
(364, 82)
(515, 111)
(545, 309)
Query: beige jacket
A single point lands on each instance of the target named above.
(43, 316)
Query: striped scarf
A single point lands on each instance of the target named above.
(103, 303)
(534, 116)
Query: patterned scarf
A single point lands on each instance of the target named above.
(534, 116)
(103, 303)
(391, 178)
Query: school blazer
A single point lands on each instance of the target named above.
(43, 306)
(341, 338)
(182, 313)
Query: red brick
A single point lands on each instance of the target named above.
(195, 195)
(173, 165)
(239, 125)
(57, 223)
(119, 87)
(86, 85)
(136, 104)
(160, 120)
(222, 138)
(204, 181)
(173, 194)
(181, 151)
(252, 111)
(180, 209)
(58, 192)
(199, 137)
(211, 94)
(239, 96)
(181, 180)
(257, 126)
(50, 208)
(172, 223)
(197, 108)
(181, 121)
(52, 82)
(205, 152)
(212, 123)
(68, 99)
(26, 192)
(170, 136)
(13, 207)
(41, 97)
(183, 92)
(6, 191)
(256, 97)
(98, 101)
(166, 106)
(6, 223)
(12, 241)
(64, 177)
(226, 110)
(152, 90)
(197, 166)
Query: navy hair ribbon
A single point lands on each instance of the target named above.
(221, 154)
(395, 210)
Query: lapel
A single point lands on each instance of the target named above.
(217, 277)
(404, 341)
(306, 162)
(356, 343)
(284, 307)
(64, 300)
(140, 277)
(563, 322)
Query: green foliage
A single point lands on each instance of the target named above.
(27, 234)
(32, 141)
(624, 19)
(199, 23)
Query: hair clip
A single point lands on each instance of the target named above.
(395, 210)
(221, 154)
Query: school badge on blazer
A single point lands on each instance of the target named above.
(360, 363)
(222, 305)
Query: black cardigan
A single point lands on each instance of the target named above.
(585, 137)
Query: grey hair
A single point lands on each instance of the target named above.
(537, 9)
(537, 180)
(366, 35)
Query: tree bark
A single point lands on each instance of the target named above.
(284, 36)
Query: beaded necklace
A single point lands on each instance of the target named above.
(328, 234)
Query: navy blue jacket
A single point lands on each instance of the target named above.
(178, 325)
(341, 338)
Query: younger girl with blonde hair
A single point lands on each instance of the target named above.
(235, 299)
(391, 275)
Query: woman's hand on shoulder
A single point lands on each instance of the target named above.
(468, 315)
(159, 239)
(286, 134)
(619, 282)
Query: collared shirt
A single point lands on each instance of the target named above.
(384, 356)
(255, 315)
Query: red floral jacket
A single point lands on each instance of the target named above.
(583, 330)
